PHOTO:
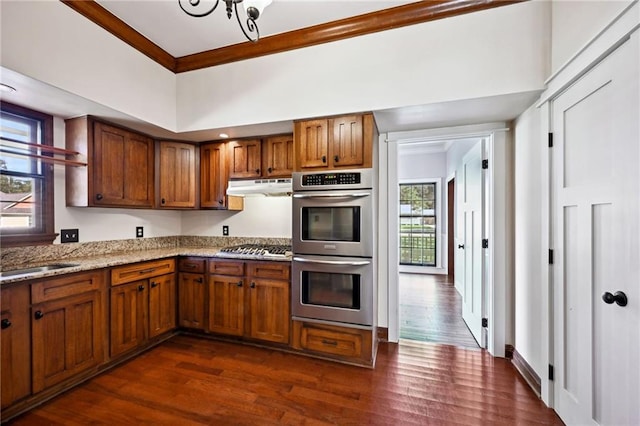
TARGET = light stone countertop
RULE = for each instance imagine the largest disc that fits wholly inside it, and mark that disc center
(116, 259)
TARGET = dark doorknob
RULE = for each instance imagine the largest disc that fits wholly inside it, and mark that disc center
(461, 246)
(619, 297)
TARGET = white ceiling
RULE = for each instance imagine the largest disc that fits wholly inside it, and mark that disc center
(164, 22)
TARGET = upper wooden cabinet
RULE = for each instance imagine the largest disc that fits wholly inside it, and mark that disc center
(120, 166)
(213, 175)
(177, 171)
(244, 158)
(277, 156)
(334, 143)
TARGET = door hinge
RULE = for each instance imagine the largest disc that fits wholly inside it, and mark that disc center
(550, 372)
(550, 257)
(485, 243)
(485, 164)
(485, 322)
(550, 140)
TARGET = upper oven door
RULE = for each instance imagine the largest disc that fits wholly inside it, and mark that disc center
(335, 223)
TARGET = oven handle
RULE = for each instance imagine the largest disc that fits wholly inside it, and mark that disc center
(332, 262)
(334, 195)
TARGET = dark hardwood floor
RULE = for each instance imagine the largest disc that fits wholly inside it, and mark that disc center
(189, 380)
(431, 311)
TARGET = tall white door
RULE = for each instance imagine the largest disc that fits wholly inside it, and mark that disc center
(469, 239)
(596, 215)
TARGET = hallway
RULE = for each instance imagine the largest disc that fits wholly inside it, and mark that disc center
(431, 311)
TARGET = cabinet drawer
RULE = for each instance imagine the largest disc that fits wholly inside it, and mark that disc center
(65, 286)
(226, 267)
(350, 343)
(274, 270)
(141, 271)
(194, 265)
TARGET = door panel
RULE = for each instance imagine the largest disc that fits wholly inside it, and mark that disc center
(596, 206)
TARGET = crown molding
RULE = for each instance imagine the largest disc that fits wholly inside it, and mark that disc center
(396, 17)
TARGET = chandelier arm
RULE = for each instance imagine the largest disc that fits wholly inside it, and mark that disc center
(194, 4)
(252, 27)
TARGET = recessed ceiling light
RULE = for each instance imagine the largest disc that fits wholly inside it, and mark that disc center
(224, 135)
(6, 88)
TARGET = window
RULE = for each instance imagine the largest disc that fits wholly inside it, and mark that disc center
(418, 224)
(26, 181)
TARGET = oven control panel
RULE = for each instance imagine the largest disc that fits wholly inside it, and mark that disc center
(321, 179)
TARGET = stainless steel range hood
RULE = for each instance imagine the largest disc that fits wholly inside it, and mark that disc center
(276, 187)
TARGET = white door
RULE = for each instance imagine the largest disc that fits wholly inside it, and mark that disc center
(469, 242)
(596, 190)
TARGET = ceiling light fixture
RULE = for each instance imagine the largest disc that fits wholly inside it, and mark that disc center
(224, 135)
(253, 9)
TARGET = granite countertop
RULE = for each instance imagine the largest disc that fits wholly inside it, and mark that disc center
(99, 261)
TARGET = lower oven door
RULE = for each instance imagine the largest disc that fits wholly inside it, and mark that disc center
(330, 288)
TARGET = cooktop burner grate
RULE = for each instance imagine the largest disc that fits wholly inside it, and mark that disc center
(252, 251)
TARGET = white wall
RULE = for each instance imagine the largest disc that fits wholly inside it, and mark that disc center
(50, 42)
(457, 150)
(576, 22)
(500, 51)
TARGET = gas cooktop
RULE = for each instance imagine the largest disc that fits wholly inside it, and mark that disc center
(256, 251)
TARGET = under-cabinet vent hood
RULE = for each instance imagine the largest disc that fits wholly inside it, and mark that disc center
(273, 187)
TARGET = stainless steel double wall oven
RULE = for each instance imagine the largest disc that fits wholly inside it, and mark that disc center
(333, 246)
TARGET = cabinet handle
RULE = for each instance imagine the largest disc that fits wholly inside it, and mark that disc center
(253, 285)
(190, 265)
(269, 169)
(336, 158)
(6, 323)
(146, 271)
(162, 201)
(200, 280)
(324, 158)
(98, 196)
(257, 171)
(38, 315)
(154, 284)
(329, 342)
(140, 288)
(221, 202)
(239, 283)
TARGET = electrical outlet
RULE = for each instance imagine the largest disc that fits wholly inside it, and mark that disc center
(139, 232)
(225, 230)
(69, 235)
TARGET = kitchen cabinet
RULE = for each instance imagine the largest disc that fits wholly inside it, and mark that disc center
(277, 156)
(244, 158)
(214, 178)
(120, 166)
(16, 344)
(191, 293)
(250, 299)
(143, 303)
(334, 143)
(66, 328)
(337, 342)
(177, 175)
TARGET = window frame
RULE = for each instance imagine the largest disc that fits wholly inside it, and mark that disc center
(435, 216)
(44, 232)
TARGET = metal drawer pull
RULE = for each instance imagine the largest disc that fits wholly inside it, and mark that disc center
(146, 271)
(199, 280)
(342, 195)
(329, 342)
(332, 262)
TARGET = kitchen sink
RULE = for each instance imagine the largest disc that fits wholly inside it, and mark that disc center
(36, 269)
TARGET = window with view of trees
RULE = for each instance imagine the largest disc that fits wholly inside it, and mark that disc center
(418, 224)
(26, 182)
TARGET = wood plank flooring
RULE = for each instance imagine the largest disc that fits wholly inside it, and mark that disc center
(195, 381)
(431, 311)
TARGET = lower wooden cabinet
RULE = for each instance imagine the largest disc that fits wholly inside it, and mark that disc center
(191, 300)
(162, 304)
(15, 366)
(226, 304)
(342, 343)
(269, 303)
(128, 316)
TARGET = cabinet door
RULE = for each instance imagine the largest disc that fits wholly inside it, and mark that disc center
(213, 176)
(244, 158)
(191, 297)
(269, 304)
(177, 169)
(346, 140)
(129, 304)
(312, 143)
(66, 338)
(278, 156)
(16, 345)
(226, 304)
(162, 304)
(122, 168)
